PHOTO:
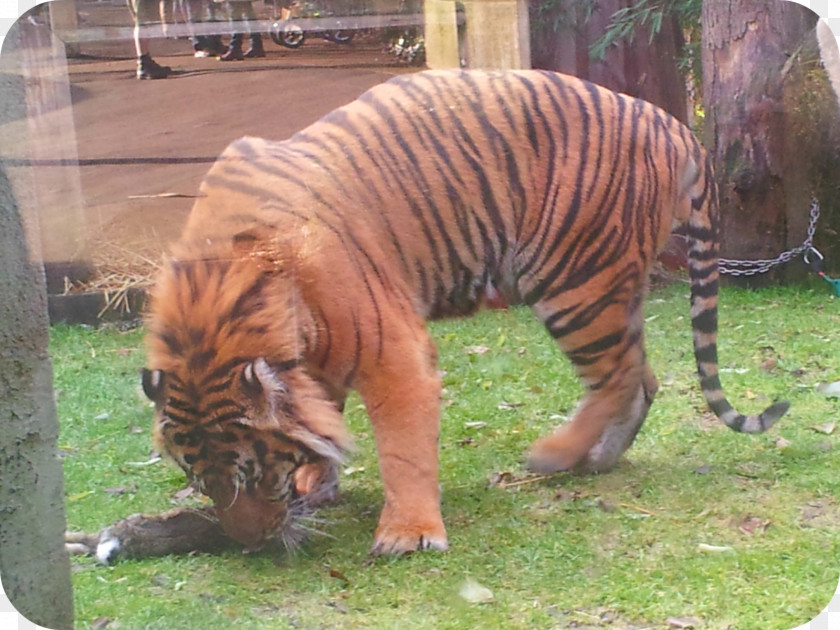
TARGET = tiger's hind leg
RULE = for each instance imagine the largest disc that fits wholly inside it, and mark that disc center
(618, 437)
(605, 344)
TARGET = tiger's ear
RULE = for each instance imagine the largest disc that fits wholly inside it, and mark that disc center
(261, 382)
(323, 431)
(300, 408)
(261, 385)
(153, 384)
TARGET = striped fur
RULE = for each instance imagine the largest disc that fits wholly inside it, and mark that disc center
(309, 266)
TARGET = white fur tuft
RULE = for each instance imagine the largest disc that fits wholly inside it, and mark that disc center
(108, 547)
(267, 377)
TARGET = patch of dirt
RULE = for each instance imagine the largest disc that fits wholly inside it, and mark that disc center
(820, 513)
(144, 146)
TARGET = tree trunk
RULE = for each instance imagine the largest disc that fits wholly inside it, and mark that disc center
(564, 30)
(772, 128)
(33, 562)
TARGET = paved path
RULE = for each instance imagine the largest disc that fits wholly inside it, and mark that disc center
(138, 140)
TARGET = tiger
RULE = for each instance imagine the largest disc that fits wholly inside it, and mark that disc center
(309, 267)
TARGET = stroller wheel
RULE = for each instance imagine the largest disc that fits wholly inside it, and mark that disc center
(288, 35)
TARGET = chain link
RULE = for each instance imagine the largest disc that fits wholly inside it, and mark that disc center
(752, 267)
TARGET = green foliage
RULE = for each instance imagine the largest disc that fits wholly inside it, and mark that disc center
(651, 14)
(697, 522)
(557, 16)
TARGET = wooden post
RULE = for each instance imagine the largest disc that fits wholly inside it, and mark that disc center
(497, 34)
(441, 34)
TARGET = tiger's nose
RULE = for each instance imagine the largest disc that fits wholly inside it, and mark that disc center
(247, 519)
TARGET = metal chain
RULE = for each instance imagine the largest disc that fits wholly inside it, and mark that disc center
(752, 267)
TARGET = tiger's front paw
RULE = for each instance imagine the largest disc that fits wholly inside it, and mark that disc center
(397, 539)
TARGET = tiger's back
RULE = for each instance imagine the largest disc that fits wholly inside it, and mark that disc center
(416, 200)
(460, 179)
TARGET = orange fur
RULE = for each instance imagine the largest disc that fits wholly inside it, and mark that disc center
(308, 267)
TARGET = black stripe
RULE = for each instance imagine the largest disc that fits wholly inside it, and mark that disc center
(591, 352)
(584, 317)
(180, 405)
(446, 168)
(174, 383)
(370, 186)
(223, 370)
(357, 353)
(594, 95)
(248, 301)
(542, 101)
(226, 437)
(285, 366)
(190, 458)
(442, 231)
(706, 354)
(698, 274)
(282, 437)
(705, 321)
(177, 418)
(701, 233)
(200, 358)
(170, 338)
(221, 418)
(570, 215)
(528, 109)
(398, 173)
(260, 450)
(702, 255)
(704, 291)
(284, 456)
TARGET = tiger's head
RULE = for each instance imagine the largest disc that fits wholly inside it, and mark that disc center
(234, 406)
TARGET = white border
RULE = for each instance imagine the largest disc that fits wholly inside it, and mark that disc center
(10, 619)
(828, 619)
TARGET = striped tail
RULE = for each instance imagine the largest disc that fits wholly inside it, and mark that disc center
(702, 231)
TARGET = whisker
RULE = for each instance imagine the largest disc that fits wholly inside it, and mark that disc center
(312, 530)
(313, 519)
(236, 485)
(292, 545)
(205, 514)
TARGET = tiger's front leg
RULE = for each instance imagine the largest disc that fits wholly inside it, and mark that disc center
(403, 400)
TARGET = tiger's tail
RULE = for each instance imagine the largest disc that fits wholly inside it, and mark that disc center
(702, 230)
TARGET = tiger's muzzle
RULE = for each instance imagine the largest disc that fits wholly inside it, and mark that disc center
(251, 517)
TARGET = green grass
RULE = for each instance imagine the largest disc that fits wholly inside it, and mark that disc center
(619, 550)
